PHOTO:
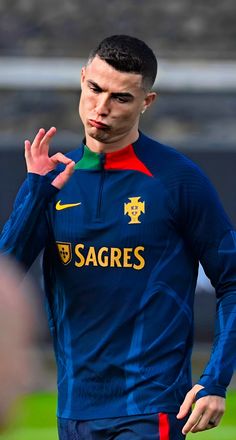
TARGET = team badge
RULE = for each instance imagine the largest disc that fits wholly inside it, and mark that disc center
(65, 253)
(134, 209)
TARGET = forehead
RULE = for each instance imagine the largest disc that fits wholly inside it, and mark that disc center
(110, 79)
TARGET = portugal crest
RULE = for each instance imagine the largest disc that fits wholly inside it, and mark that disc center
(134, 209)
(64, 250)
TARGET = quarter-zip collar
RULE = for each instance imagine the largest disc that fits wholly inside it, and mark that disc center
(123, 159)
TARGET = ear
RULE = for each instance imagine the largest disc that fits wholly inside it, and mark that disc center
(149, 99)
(82, 76)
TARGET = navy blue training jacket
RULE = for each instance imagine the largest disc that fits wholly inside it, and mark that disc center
(122, 241)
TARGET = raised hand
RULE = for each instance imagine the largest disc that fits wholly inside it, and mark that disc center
(39, 162)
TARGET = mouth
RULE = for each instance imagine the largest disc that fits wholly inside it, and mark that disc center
(98, 124)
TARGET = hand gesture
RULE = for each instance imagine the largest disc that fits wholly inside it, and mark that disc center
(206, 414)
(39, 162)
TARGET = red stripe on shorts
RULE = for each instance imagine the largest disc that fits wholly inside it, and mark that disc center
(164, 427)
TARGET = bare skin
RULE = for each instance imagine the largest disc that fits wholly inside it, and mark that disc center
(39, 162)
(207, 409)
(110, 107)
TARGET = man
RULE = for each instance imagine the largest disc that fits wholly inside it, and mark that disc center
(124, 222)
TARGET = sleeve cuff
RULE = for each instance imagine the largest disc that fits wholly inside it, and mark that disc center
(41, 186)
(211, 391)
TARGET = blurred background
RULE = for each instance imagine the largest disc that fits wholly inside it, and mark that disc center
(42, 48)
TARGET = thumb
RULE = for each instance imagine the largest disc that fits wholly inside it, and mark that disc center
(64, 176)
(187, 404)
(188, 401)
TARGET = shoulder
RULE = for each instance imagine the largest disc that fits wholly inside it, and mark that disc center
(165, 162)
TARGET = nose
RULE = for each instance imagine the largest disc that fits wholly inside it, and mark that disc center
(102, 105)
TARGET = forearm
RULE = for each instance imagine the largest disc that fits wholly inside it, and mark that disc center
(209, 400)
(219, 370)
(25, 232)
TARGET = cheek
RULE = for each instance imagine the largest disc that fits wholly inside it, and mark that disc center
(83, 105)
(129, 117)
(87, 103)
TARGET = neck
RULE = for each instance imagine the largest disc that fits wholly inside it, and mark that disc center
(109, 147)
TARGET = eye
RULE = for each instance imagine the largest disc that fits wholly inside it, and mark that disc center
(121, 100)
(94, 88)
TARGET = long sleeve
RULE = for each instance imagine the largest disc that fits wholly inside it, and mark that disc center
(218, 373)
(25, 233)
(212, 238)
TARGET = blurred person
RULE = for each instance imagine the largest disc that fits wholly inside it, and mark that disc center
(124, 222)
(16, 336)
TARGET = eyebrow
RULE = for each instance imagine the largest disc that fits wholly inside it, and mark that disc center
(92, 83)
(123, 95)
(114, 94)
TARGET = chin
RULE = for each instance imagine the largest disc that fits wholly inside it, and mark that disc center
(98, 135)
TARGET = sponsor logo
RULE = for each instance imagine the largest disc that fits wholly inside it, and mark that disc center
(134, 209)
(103, 257)
(60, 206)
(65, 253)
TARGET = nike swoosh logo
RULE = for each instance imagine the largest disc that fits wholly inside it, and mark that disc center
(60, 206)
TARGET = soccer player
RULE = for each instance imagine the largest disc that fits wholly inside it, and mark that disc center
(124, 222)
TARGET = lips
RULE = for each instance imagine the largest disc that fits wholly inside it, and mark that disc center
(98, 124)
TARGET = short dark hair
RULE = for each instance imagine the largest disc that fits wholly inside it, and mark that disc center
(128, 54)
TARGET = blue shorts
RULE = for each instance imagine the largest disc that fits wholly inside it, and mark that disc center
(142, 427)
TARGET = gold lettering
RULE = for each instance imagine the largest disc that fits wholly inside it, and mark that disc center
(115, 257)
(91, 257)
(103, 260)
(139, 258)
(78, 254)
(127, 257)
